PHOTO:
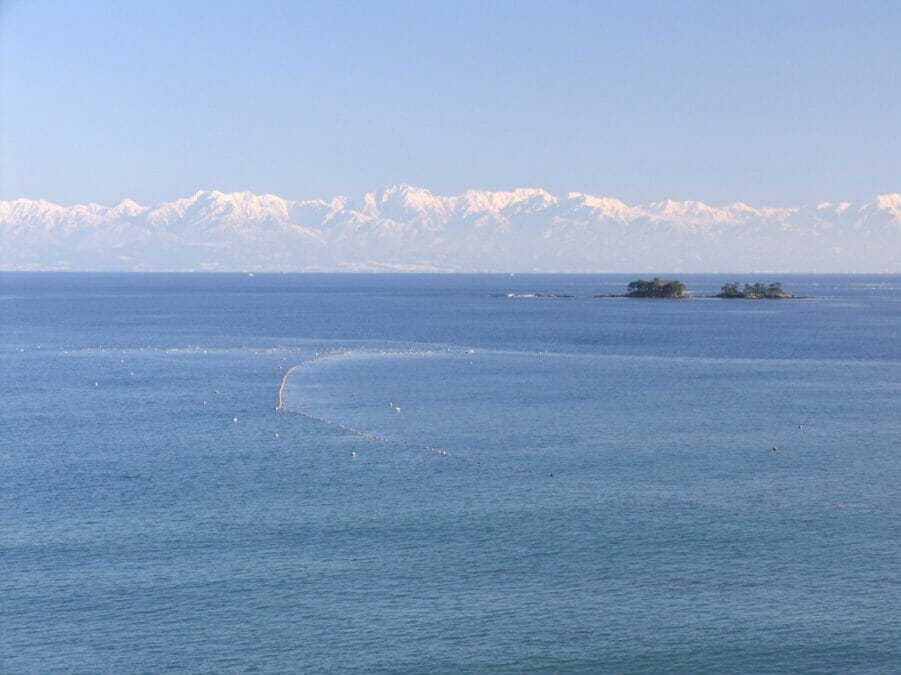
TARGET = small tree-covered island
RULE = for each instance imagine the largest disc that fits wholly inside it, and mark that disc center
(757, 291)
(656, 288)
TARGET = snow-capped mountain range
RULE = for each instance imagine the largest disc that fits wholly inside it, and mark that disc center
(405, 228)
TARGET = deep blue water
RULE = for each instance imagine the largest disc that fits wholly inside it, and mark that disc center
(570, 484)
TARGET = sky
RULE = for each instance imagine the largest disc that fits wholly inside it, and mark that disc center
(775, 103)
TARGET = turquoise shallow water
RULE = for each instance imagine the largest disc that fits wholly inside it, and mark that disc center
(570, 484)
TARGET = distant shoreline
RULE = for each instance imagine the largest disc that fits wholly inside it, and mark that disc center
(402, 273)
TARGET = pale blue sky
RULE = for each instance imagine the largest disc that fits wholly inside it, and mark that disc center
(767, 102)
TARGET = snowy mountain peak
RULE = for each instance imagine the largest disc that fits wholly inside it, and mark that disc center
(497, 201)
(892, 204)
(409, 197)
(128, 207)
(696, 212)
(606, 207)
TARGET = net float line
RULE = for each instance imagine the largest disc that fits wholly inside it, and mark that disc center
(371, 435)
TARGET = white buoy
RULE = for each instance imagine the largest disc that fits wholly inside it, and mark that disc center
(353, 454)
(235, 420)
(277, 436)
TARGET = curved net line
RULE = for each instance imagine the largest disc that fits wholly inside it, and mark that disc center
(370, 435)
(334, 355)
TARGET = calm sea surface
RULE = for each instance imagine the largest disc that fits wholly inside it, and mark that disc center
(456, 480)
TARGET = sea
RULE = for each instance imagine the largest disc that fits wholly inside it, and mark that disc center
(448, 473)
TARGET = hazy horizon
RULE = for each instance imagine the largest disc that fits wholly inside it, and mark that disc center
(406, 228)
